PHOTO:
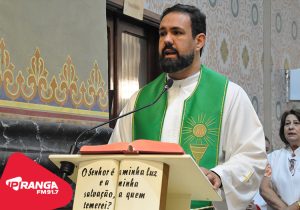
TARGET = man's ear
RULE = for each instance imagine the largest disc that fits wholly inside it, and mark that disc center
(200, 41)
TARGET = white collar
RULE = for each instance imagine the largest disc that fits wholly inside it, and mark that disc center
(187, 81)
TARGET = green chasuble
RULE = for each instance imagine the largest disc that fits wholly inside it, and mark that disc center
(201, 118)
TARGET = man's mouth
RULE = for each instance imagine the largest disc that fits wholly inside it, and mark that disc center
(169, 53)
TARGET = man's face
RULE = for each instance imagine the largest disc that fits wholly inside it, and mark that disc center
(176, 43)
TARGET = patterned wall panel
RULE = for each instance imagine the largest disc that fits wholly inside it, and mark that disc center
(234, 44)
(53, 60)
(285, 29)
(36, 94)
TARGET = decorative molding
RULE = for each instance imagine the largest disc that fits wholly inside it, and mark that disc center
(224, 50)
(255, 104)
(34, 85)
(278, 110)
(212, 3)
(254, 14)
(235, 7)
(294, 30)
(278, 22)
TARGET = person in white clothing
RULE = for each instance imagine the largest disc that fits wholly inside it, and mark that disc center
(281, 186)
(258, 203)
(201, 109)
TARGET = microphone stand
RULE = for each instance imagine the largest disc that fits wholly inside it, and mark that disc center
(67, 168)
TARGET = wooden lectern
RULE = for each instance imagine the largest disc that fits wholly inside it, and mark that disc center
(186, 181)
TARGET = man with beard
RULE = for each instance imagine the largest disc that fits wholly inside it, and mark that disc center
(201, 110)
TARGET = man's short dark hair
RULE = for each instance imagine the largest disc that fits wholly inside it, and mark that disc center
(295, 112)
(198, 19)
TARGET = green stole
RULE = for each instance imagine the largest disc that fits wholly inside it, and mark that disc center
(201, 119)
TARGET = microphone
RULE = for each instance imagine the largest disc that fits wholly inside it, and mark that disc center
(67, 167)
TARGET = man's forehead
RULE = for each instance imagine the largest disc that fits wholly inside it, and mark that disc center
(175, 20)
(171, 28)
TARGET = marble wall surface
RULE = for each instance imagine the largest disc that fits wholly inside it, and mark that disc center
(39, 139)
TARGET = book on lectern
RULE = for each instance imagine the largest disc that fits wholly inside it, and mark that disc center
(140, 146)
(123, 176)
(124, 184)
(121, 184)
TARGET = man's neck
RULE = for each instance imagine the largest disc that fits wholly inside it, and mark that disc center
(186, 72)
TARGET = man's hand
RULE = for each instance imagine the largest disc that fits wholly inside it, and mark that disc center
(213, 178)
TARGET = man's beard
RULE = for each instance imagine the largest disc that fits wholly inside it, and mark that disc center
(171, 65)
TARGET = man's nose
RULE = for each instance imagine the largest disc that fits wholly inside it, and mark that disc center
(168, 38)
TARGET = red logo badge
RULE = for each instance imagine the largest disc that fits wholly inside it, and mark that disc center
(27, 185)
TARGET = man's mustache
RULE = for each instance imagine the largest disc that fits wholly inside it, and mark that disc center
(170, 49)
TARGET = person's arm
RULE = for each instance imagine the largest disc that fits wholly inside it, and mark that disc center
(270, 196)
(123, 129)
(241, 167)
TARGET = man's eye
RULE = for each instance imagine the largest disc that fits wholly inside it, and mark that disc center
(162, 33)
(177, 32)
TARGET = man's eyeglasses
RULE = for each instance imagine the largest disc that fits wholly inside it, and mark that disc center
(292, 166)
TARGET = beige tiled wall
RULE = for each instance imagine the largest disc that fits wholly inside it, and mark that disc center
(235, 46)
